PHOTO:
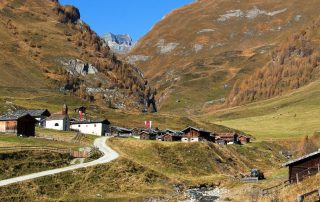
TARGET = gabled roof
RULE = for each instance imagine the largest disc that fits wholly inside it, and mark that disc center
(35, 112)
(120, 129)
(227, 135)
(15, 116)
(57, 117)
(302, 158)
(174, 134)
(196, 129)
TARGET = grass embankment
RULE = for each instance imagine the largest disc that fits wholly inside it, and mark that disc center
(45, 137)
(290, 116)
(13, 164)
(199, 163)
(150, 168)
(120, 180)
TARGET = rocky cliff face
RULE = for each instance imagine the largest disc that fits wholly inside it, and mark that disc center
(120, 43)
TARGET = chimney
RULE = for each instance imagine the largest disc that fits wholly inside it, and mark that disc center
(65, 110)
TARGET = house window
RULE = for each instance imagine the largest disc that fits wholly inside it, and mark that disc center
(56, 124)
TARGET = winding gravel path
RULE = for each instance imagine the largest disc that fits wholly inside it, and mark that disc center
(108, 155)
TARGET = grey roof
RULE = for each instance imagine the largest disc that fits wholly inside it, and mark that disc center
(121, 129)
(57, 117)
(34, 112)
(105, 121)
(301, 158)
(13, 116)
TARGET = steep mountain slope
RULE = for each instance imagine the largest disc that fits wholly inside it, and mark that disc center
(46, 45)
(196, 53)
(293, 65)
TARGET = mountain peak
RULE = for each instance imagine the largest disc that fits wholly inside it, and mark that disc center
(120, 43)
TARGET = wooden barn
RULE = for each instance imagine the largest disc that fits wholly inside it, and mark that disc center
(147, 135)
(120, 132)
(172, 137)
(192, 134)
(39, 114)
(228, 138)
(18, 123)
(244, 139)
(304, 166)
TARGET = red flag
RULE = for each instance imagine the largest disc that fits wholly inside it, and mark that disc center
(80, 113)
(148, 124)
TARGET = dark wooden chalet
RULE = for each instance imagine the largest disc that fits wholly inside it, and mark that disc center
(304, 166)
(244, 139)
(227, 138)
(18, 123)
(39, 114)
(192, 134)
(148, 135)
(172, 137)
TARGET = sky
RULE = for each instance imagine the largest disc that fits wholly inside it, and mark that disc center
(133, 17)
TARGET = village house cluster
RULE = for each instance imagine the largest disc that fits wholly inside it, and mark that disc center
(23, 122)
(189, 134)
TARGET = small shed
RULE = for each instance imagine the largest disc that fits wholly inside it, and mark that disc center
(18, 123)
(120, 131)
(192, 134)
(172, 137)
(304, 166)
(244, 139)
(228, 138)
(58, 122)
(147, 135)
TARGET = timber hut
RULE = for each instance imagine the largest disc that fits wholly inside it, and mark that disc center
(192, 134)
(39, 114)
(304, 166)
(228, 138)
(244, 139)
(148, 135)
(18, 123)
(172, 137)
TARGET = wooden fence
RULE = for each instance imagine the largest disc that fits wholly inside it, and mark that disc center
(275, 188)
(305, 173)
(301, 198)
(33, 148)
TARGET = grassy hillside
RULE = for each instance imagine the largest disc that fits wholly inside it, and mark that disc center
(292, 115)
(196, 53)
(151, 169)
(198, 163)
